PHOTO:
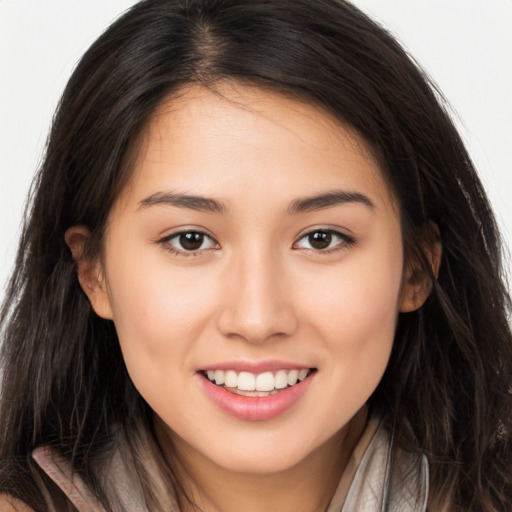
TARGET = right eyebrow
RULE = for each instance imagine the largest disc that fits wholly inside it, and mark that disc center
(329, 199)
(192, 202)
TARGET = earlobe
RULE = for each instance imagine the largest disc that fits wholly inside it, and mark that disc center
(418, 278)
(89, 271)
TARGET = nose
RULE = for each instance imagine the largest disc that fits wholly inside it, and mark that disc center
(258, 303)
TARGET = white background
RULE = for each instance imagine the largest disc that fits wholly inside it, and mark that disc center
(465, 45)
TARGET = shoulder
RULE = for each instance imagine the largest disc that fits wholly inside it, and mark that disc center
(9, 504)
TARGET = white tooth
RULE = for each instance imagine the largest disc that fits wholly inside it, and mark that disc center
(210, 374)
(231, 379)
(219, 377)
(293, 375)
(264, 382)
(281, 379)
(303, 374)
(246, 381)
(238, 391)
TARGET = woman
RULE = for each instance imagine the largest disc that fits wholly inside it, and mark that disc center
(259, 270)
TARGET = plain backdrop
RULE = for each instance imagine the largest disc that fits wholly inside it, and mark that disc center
(465, 45)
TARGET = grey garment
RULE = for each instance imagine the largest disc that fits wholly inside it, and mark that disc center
(386, 480)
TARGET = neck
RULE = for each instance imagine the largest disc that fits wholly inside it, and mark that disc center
(308, 486)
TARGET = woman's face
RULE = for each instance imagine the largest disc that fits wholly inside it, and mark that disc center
(255, 243)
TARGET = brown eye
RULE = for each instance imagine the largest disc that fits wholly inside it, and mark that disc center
(188, 243)
(320, 239)
(324, 241)
(191, 241)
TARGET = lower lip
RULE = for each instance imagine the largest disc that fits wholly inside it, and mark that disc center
(258, 408)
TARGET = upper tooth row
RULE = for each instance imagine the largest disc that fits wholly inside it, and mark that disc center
(266, 381)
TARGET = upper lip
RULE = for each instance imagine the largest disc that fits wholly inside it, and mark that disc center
(255, 367)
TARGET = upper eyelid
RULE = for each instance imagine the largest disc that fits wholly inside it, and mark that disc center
(165, 242)
(181, 231)
(345, 233)
(347, 240)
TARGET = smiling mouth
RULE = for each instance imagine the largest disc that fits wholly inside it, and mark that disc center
(257, 385)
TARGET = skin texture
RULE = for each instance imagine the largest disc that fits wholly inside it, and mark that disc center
(9, 504)
(256, 290)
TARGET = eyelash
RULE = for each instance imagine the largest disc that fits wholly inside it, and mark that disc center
(167, 240)
(345, 241)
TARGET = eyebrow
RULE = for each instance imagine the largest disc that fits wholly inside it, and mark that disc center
(328, 200)
(202, 204)
(301, 205)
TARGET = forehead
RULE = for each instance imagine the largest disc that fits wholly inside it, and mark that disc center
(239, 138)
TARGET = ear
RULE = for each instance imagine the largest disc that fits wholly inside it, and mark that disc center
(89, 270)
(417, 283)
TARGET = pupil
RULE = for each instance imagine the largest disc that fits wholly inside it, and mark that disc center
(320, 239)
(191, 241)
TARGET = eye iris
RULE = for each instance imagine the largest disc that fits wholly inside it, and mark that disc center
(191, 241)
(320, 239)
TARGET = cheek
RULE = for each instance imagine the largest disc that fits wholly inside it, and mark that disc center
(160, 311)
(156, 314)
(353, 312)
(362, 294)
(153, 301)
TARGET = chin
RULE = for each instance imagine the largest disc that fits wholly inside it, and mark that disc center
(264, 455)
(260, 463)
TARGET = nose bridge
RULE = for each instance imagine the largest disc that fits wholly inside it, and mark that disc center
(258, 306)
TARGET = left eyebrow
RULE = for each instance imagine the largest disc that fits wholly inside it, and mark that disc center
(328, 200)
(198, 203)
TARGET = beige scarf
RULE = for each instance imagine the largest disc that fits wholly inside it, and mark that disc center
(378, 478)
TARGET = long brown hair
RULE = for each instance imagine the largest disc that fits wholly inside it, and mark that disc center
(447, 386)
